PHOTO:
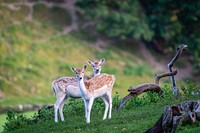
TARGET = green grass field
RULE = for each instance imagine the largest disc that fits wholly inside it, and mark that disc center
(134, 120)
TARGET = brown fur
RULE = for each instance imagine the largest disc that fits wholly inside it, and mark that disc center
(99, 81)
(64, 82)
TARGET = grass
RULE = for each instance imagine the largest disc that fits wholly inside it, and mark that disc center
(138, 115)
(2, 121)
(32, 55)
(136, 119)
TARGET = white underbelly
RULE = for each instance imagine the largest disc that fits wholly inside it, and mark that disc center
(73, 91)
(101, 91)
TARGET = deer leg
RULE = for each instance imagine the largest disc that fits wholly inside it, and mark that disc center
(85, 104)
(56, 111)
(61, 108)
(110, 105)
(56, 106)
(106, 107)
(89, 107)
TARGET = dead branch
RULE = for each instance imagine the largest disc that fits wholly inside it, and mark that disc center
(159, 76)
(153, 87)
(171, 63)
(135, 91)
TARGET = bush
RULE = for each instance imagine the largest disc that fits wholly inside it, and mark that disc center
(15, 121)
(191, 88)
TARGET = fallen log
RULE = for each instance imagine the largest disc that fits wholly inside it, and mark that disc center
(153, 87)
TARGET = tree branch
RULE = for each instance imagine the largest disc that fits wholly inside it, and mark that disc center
(135, 91)
(159, 76)
(171, 63)
(154, 87)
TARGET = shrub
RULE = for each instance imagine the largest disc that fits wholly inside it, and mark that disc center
(190, 88)
(15, 121)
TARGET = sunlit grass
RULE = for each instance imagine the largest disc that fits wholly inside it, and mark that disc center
(2, 121)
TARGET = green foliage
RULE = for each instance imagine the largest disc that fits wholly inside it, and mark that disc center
(178, 25)
(191, 88)
(117, 18)
(116, 100)
(44, 114)
(15, 121)
(168, 23)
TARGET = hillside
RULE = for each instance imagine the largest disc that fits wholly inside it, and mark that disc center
(40, 41)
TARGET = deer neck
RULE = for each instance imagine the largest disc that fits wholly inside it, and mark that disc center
(82, 87)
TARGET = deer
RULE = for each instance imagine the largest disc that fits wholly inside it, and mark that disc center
(66, 87)
(98, 86)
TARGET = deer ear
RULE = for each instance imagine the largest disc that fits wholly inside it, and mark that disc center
(84, 67)
(102, 61)
(73, 69)
(90, 62)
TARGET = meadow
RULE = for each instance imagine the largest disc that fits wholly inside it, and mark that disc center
(137, 116)
(34, 53)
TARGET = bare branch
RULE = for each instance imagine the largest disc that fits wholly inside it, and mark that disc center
(135, 91)
(159, 76)
(171, 63)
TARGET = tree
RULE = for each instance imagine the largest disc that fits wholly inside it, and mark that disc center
(164, 24)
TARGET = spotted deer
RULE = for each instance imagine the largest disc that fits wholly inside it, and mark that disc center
(66, 87)
(96, 66)
(98, 86)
